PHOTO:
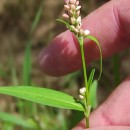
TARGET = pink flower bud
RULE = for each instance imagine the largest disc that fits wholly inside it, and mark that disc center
(77, 3)
(72, 1)
(66, 1)
(65, 16)
(66, 7)
(72, 7)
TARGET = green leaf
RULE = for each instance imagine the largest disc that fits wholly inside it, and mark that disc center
(44, 96)
(62, 21)
(90, 80)
(93, 94)
(27, 65)
(37, 18)
(15, 120)
(98, 44)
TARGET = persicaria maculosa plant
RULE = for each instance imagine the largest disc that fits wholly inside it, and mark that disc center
(51, 97)
(74, 24)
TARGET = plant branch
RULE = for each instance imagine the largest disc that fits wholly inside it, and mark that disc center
(87, 113)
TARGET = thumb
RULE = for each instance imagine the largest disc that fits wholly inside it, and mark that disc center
(115, 111)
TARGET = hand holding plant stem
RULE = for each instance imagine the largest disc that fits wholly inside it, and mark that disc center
(113, 39)
(112, 110)
(72, 14)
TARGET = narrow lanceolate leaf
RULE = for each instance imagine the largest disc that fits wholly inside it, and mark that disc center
(37, 18)
(90, 80)
(98, 44)
(64, 22)
(27, 65)
(44, 96)
(93, 94)
(15, 120)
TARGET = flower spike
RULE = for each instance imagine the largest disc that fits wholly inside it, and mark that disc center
(72, 13)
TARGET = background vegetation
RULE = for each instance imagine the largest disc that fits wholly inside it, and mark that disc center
(25, 28)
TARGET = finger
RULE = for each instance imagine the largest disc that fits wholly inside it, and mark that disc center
(110, 24)
(107, 128)
(115, 111)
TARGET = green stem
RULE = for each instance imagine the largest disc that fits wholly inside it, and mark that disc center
(85, 80)
(87, 122)
(83, 62)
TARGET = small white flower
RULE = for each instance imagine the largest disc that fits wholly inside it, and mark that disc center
(86, 32)
(81, 97)
(78, 8)
(78, 20)
(76, 30)
(82, 91)
(72, 28)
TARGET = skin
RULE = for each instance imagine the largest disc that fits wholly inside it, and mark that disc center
(111, 25)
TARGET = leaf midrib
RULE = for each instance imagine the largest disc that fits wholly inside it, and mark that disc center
(36, 95)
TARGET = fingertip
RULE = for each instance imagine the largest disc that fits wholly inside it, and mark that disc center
(61, 56)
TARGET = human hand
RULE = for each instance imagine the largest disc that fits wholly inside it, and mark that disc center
(110, 24)
(114, 113)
